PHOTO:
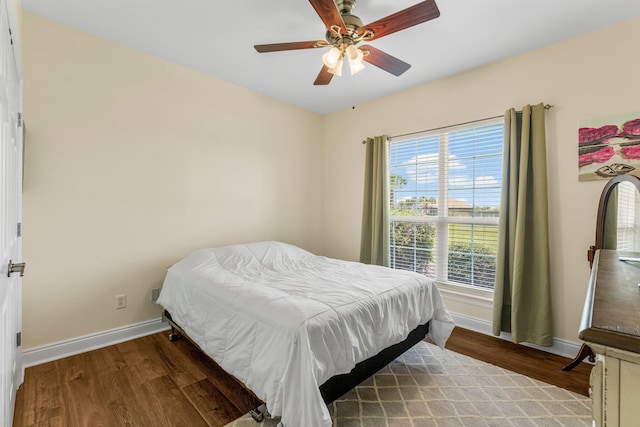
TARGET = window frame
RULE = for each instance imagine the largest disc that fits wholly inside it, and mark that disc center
(443, 220)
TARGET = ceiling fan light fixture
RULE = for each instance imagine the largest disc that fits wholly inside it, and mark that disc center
(356, 67)
(332, 57)
(337, 70)
(354, 54)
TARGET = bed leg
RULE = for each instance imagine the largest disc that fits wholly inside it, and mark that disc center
(173, 336)
(259, 413)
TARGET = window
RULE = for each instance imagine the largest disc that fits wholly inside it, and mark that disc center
(445, 202)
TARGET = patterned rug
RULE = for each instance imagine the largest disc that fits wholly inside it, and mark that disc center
(428, 386)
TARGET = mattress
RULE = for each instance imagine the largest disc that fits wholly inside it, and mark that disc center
(283, 320)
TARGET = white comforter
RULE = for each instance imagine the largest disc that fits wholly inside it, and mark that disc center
(283, 320)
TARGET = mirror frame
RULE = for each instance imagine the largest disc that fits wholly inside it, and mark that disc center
(602, 207)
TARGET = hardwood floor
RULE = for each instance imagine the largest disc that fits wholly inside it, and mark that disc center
(527, 361)
(151, 381)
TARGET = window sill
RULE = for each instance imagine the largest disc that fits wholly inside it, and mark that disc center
(466, 294)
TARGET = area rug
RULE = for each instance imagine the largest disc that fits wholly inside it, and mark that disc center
(428, 386)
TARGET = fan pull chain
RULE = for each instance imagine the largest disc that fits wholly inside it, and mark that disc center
(353, 92)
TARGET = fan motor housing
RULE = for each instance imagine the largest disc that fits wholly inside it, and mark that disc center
(345, 6)
(352, 23)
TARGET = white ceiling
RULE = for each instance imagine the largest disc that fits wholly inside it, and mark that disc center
(216, 38)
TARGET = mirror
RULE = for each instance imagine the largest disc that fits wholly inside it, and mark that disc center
(617, 227)
(618, 224)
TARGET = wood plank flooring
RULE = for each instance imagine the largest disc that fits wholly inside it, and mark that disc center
(151, 381)
(524, 360)
(148, 381)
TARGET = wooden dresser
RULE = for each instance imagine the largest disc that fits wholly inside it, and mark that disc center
(611, 327)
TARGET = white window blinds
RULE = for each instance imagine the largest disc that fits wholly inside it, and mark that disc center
(445, 202)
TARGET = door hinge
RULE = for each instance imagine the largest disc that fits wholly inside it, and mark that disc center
(19, 120)
(19, 339)
(19, 229)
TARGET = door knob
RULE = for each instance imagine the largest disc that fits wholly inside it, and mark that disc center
(18, 267)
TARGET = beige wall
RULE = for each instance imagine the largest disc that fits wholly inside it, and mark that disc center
(591, 76)
(132, 162)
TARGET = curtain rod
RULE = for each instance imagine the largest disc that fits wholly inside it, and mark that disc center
(546, 107)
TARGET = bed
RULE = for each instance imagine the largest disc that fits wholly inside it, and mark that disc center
(286, 322)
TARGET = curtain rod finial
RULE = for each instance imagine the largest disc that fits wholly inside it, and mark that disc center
(548, 106)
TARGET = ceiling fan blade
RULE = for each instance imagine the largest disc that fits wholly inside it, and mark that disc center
(383, 60)
(324, 77)
(414, 15)
(329, 13)
(276, 47)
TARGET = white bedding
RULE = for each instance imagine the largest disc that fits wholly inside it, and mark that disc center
(283, 320)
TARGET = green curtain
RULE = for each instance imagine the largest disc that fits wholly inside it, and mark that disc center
(374, 240)
(522, 296)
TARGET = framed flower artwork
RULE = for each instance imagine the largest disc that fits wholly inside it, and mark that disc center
(609, 146)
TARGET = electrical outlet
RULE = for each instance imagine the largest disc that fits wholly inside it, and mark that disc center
(155, 293)
(121, 301)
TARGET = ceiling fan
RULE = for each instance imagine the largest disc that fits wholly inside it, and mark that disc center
(345, 31)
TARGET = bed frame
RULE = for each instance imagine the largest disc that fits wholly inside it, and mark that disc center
(338, 385)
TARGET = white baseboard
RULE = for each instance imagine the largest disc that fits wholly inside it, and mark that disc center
(560, 347)
(58, 350)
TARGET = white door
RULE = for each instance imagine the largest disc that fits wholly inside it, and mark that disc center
(10, 220)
